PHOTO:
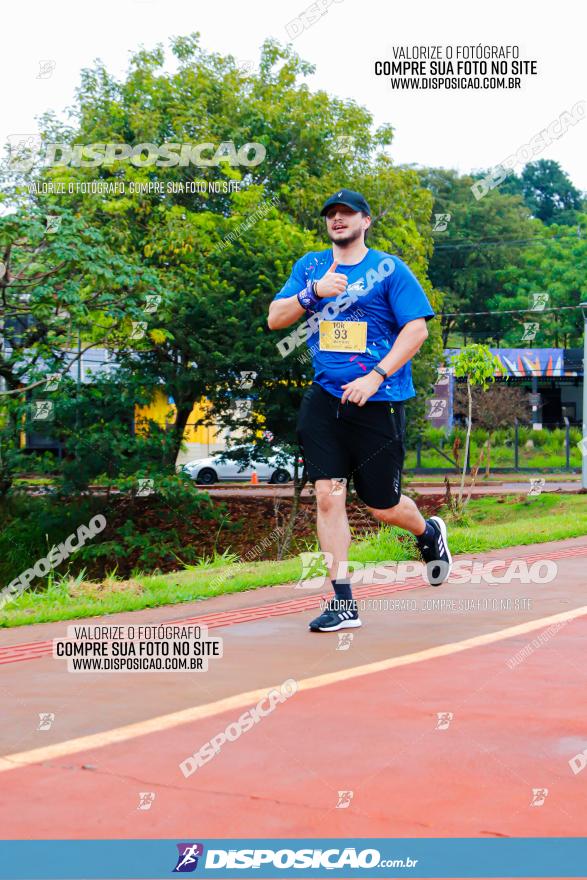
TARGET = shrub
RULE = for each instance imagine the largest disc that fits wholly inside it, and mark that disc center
(155, 532)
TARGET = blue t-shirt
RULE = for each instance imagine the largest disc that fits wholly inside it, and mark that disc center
(381, 291)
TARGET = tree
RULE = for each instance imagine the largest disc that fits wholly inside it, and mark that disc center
(59, 291)
(475, 243)
(225, 255)
(554, 266)
(547, 191)
(220, 255)
(497, 406)
(478, 366)
(210, 326)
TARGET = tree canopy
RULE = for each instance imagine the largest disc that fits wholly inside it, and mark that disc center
(214, 258)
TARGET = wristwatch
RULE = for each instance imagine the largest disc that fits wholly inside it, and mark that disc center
(381, 371)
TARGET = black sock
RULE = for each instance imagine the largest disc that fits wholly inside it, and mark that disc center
(428, 534)
(342, 589)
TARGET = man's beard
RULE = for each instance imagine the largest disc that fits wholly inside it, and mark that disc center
(348, 239)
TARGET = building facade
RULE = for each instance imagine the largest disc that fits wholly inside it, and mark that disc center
(552, 378)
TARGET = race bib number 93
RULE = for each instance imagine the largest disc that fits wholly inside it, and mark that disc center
(343, 336)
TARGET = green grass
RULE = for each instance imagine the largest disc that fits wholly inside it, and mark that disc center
(524, 479)
(493, 523)
(501, 457)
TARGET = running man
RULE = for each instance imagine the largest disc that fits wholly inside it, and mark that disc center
(366, 318)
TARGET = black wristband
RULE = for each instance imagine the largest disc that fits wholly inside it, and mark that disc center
(381, 371)
(308, 298)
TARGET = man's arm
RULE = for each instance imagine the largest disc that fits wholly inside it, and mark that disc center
(283, 312)
(287, 310)
(409, 341)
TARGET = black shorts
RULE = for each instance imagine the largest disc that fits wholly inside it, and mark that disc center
(362, 443)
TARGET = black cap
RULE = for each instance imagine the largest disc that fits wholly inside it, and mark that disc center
(349, 198)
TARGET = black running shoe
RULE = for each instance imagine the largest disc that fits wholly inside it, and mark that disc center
(436, 554)
(338, 614)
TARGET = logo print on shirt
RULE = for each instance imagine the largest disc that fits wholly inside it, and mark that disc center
(359, 362)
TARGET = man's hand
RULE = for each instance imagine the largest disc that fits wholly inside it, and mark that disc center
(360, 390)
(332, 284)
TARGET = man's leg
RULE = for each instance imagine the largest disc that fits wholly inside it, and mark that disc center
(322, 437)
(430, 535)
(404, 514)
(379, 452)
(332, 523)
(335, 538)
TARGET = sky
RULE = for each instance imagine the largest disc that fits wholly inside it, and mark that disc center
(463, 129)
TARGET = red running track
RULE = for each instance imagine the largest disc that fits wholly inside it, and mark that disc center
(374, 732)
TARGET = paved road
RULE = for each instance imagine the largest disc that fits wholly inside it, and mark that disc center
(505, 488)
(506, 672)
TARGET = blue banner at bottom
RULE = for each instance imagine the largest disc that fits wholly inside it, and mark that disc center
(269, 858)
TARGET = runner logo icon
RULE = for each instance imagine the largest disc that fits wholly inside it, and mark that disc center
(187, 860)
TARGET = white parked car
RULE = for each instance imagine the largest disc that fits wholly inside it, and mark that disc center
(212, 470)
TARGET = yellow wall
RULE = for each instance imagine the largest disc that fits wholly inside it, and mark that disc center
(162, 412)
